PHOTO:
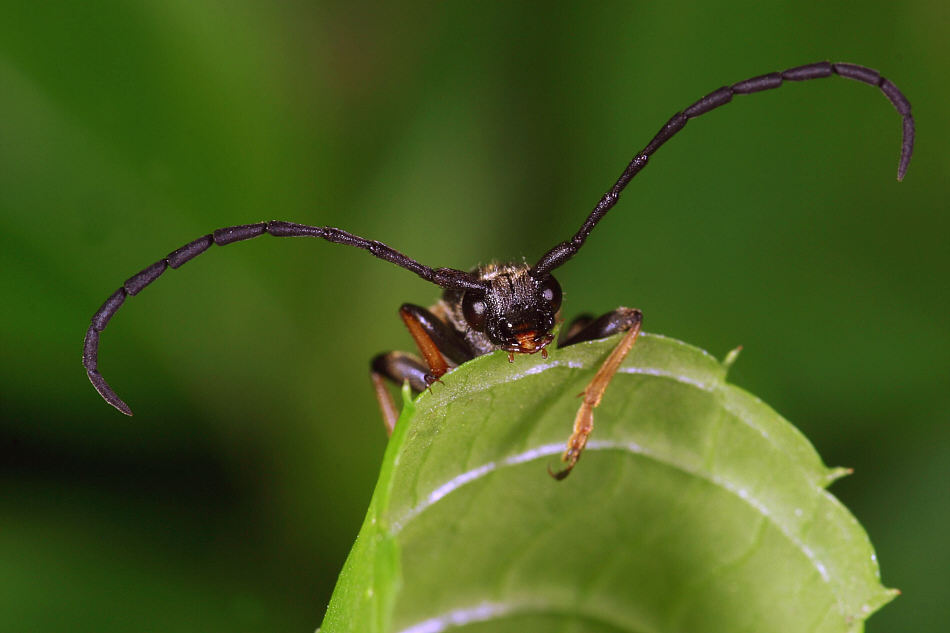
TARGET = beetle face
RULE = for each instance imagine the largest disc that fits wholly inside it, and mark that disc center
(517, 312)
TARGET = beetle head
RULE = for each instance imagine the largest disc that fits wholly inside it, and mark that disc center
(516, 311)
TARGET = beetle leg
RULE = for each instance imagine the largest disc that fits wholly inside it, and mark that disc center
(620, 320)
(574, 327)
(586, 328)
(441, 349)
(398, 367)
(440, 346)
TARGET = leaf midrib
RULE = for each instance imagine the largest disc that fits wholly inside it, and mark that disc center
(457, 618)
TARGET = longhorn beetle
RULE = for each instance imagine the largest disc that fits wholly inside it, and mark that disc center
(510, 307)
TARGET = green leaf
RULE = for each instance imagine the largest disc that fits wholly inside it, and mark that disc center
(695, 507)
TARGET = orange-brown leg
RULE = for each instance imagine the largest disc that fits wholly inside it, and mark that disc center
(441, 349)
(622, 319)
(437, 342)
(387, 406)
(430, 353)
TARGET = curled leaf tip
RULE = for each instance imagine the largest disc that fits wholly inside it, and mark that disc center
(731, 357)
(835, 474)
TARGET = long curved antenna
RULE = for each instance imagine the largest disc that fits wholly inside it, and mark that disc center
(444, 277)
(565, 250)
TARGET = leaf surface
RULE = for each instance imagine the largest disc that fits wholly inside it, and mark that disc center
(695, 507)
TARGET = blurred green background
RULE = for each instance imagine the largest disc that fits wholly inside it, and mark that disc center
(457, 132)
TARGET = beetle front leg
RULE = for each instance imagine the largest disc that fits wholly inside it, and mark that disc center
(573, 328)
(620, 320)
(439, 345)
(586, 328)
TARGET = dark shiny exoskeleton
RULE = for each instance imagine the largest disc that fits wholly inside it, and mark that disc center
(509, 307)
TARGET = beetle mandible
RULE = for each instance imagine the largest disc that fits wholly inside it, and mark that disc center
(510, 307)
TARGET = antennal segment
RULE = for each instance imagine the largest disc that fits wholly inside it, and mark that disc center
(565, 250)
(444, 277)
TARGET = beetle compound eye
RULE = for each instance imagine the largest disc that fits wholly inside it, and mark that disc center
(551, 292)
(474, 309)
